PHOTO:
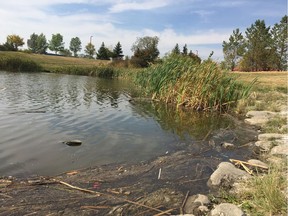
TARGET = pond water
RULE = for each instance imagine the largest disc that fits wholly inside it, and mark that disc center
(40, 111)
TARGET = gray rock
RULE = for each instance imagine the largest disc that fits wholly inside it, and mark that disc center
(264, 145)
(226, 174)
(258, 162)
(226, 209)
(271, 136)
(193, 202)
(280, 150)
(259, 118)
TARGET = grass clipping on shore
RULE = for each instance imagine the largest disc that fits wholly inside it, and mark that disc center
(182, 81)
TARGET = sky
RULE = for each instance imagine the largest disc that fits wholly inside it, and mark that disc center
(201, 24)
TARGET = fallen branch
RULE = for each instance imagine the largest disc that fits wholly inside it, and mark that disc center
(165, 212)
(247, 163)
(109, 195)
(183, 203)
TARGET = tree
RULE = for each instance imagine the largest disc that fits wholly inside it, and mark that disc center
(176, 50)
(65, 52)
(195, 57)
(117, 51)
(280, 42)
(260, 55)
(14, 41)
(56, 44)
(37, 43)
(103, 52)
(90, 50)
(145, 51)
(75, 45)
(234, 49)
(185, 50)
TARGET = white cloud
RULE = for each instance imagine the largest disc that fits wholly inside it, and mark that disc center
(140, 5)
(102, 27)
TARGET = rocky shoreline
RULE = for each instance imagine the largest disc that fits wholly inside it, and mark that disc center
(164, 186)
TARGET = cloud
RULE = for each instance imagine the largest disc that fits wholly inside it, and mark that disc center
(134, 5)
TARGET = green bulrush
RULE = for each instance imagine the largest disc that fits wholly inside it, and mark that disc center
(182, 81)
(101, 71)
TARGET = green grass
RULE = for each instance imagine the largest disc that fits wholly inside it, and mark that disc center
(262, 194)
(184, 82)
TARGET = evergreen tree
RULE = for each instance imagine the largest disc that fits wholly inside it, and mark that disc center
(103, 52)
(185, 50)
(195, 57)
(280, 42)
(260, 54)
(234, 49)
(117, 51)
(176, 49)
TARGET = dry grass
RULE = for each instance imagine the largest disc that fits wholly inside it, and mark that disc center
(272, 79)
(48, 61)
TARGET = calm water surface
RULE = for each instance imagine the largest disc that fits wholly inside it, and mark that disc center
(39, 111)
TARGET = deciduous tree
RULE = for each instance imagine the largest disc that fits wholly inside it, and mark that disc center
(56, 43)
(90, 50)
(37, 43)
(145, 51)
(75, 45)
(15, 41)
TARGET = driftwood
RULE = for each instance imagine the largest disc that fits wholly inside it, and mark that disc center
(184, 202)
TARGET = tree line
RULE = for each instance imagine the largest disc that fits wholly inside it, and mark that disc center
(263, 48)
(39, 44)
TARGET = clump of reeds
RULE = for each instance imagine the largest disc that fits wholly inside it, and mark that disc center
(182, 81)
(97, 71)
(16, 64)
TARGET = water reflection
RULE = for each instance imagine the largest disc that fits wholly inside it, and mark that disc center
(39, 111)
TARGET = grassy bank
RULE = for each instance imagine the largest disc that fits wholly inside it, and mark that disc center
(24, 62)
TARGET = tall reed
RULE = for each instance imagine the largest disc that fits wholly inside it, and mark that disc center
(16, 64)
(184, 82)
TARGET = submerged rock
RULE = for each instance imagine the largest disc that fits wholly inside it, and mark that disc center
(225, 175)
(73, 142)
(226, 209)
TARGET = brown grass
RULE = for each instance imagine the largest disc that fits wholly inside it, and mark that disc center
(271, 79)
(48, 61)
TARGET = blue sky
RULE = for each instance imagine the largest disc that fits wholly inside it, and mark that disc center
(201, 24)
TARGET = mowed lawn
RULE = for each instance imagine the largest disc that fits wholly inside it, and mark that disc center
(272, 79)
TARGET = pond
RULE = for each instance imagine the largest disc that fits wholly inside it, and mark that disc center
(38, 111)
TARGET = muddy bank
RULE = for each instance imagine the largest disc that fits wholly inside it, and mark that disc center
(148, 188)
